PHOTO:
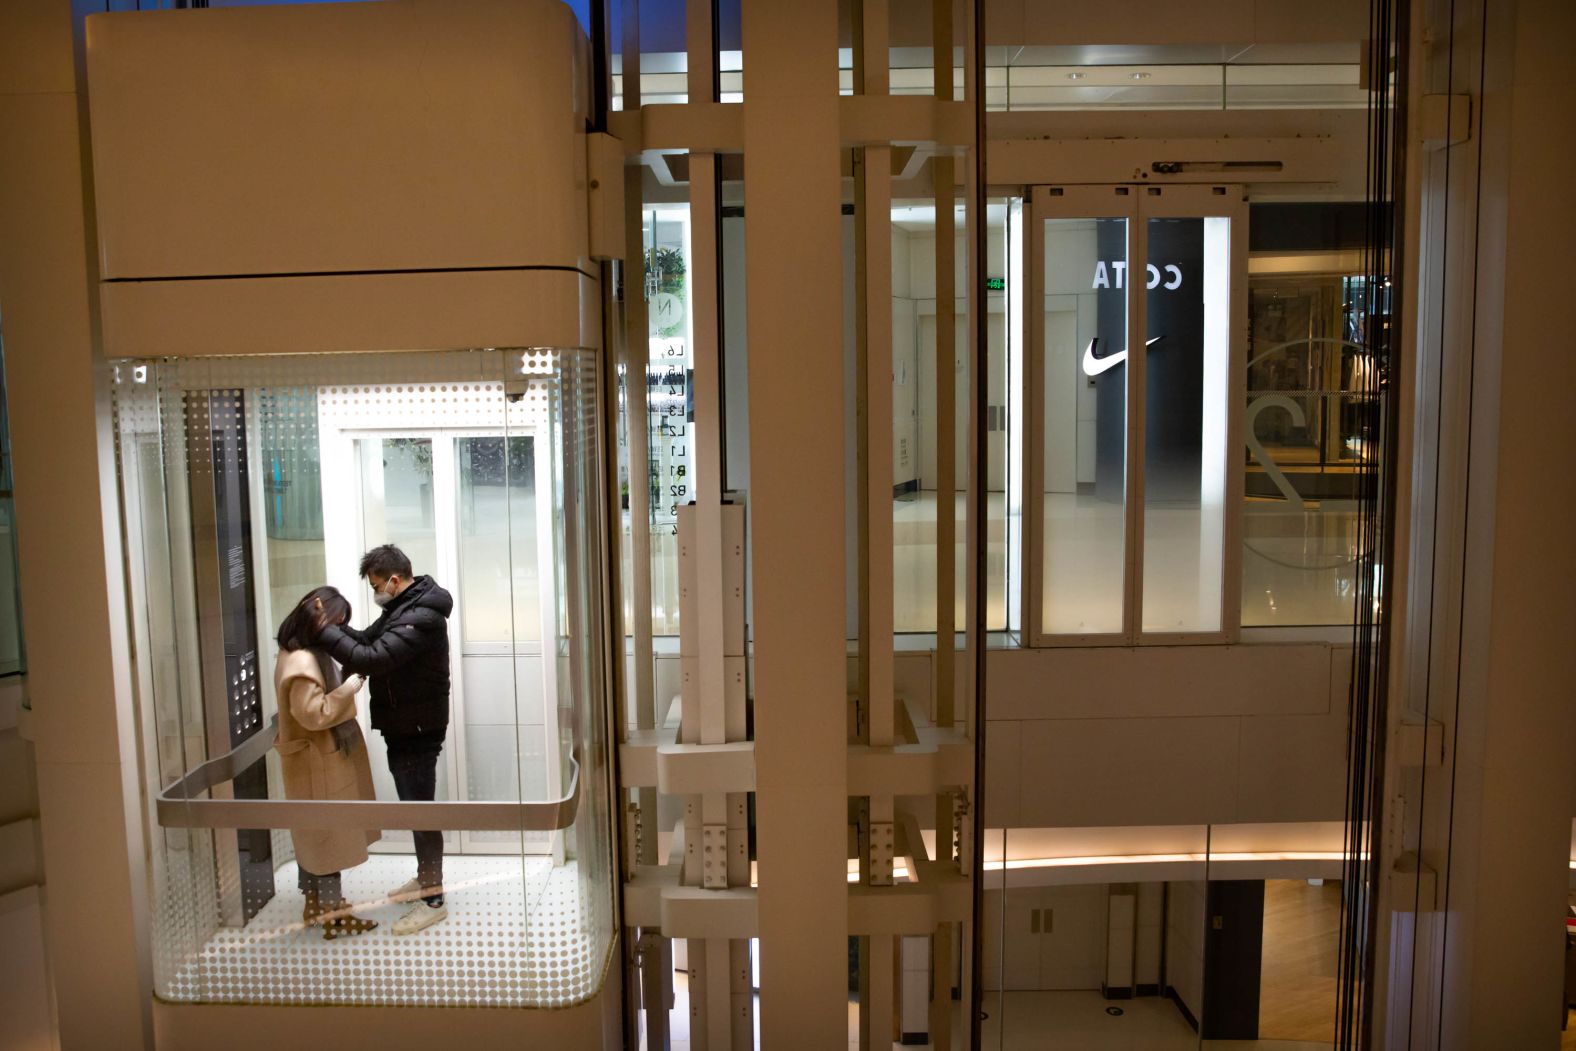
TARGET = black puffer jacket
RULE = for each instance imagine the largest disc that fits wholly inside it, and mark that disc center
(405, 654)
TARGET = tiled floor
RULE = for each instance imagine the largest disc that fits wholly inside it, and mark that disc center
(1081, 1020)
(516, 935)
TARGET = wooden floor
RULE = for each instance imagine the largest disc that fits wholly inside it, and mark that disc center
(1302, 927)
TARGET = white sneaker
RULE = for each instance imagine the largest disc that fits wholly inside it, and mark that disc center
(407, 891)
(419, 917)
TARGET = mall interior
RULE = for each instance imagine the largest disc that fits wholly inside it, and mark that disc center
(1080, 566)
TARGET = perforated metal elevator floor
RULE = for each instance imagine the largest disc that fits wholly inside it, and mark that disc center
(515, 936)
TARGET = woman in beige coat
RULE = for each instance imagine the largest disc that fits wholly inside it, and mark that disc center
(322, 756)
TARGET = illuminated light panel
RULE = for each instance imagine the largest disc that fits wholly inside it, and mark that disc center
(1163, 859)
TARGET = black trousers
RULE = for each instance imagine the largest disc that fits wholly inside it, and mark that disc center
(413, 762)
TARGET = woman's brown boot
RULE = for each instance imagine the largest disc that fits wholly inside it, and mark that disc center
(346, 926)
(312, 911)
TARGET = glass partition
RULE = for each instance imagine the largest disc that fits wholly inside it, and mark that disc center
(1021, 76)
(1307, 385)
(1085, 312)
(246, 483)
(1187, 364)
(916, 415)
(11, 653)
(669, 402)
(1162, 936)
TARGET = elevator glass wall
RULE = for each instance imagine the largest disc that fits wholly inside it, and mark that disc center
(247, 482)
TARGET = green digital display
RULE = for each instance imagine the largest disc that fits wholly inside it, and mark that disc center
(995, 284)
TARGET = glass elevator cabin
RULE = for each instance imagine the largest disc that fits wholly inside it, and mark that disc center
(372, 320)
(247, 482)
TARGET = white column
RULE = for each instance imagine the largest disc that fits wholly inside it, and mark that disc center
(68, 531)
(794, 295)
(944, 170)
(1515, 723)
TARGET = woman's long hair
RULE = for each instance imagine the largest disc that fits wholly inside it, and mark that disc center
(304, 623)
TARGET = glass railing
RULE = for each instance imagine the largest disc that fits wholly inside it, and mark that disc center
(1025, 84)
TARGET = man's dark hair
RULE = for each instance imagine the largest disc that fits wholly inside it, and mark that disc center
(303, 624)
(386, 561)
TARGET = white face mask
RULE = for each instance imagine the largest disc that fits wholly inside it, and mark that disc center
(382, 598)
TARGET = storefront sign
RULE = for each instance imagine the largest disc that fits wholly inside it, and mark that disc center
(1093, 366)
(1105, 272)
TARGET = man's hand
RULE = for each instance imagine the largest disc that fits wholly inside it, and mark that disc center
(322, 619)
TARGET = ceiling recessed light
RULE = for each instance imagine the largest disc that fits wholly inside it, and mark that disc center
(1075, 76)
(1139, 76)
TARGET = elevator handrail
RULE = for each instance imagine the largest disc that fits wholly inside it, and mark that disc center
(182, 804)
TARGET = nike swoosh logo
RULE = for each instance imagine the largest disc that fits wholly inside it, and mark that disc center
(1093, 366)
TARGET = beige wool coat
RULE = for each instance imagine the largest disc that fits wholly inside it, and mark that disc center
(312, 700)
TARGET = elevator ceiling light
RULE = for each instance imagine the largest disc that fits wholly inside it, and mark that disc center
(1139, 76)
(1075, 76)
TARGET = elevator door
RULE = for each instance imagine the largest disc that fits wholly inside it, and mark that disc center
(463, 506)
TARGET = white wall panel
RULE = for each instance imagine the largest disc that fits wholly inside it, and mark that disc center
(349, 312)
(1072, 952)
(1004, 773)
(1293, 768)
(26, 1014)
(413, 134)
(1128, 771)
(1258, 679)
(1185, 944)
(1151, 898)
(1049, 938)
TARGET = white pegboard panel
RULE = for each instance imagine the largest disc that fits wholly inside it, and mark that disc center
(321, 370)
(882, 845)
(516, 936)
(714, 857)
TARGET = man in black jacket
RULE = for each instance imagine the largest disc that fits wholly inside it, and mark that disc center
(405, 654)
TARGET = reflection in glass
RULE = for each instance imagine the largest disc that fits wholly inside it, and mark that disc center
(1085, 440)
(498, 540)
(396, 498)
(500, 617)
(1304, 436)
(1187, 365)
(397, 508)
(1080, 920)
(292, 493)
